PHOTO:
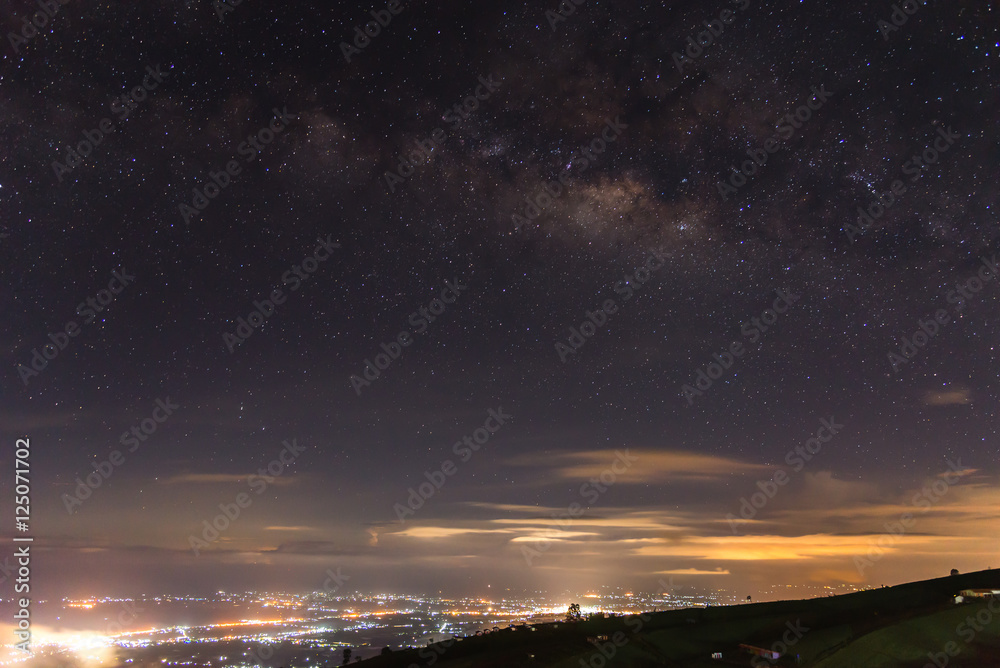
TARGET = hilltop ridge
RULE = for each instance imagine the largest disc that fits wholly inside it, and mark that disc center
(913, 624)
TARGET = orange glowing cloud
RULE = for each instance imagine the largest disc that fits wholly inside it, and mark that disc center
(650, 465)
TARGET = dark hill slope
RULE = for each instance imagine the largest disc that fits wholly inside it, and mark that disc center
(891, 626)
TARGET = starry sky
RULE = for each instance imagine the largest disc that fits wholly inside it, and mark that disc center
(575, 213)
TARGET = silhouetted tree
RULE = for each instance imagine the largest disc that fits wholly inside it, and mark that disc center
(347, 656)
(574, 614)
(386, 650)
(954, 571)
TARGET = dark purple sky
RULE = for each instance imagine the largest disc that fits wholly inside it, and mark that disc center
(607, 352)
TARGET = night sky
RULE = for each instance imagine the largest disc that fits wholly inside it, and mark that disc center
(575, 214)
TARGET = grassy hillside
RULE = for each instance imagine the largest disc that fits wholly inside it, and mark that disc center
(891, 626)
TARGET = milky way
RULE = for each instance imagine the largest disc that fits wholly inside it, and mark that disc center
(625, 193)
